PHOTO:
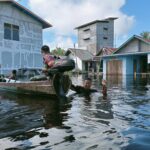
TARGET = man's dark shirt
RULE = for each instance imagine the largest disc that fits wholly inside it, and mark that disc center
(82, 90)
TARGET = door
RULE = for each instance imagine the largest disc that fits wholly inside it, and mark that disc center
(114, 67)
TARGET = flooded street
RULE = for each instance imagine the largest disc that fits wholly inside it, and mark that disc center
(120, 122)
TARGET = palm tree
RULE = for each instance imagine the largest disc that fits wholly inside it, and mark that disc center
(145, 35)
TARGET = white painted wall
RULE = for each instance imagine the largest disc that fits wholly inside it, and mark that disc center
(26, 51)
(77, 60)
(79, 64)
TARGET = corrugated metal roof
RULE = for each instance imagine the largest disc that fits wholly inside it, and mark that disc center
(105, 51)
(44, 23)
(82, 54)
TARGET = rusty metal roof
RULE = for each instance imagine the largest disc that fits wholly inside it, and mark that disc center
(106, 51)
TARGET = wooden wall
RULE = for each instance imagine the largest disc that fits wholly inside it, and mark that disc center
(114, 67)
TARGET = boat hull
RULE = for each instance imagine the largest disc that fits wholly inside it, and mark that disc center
(58, 86)
(31, 87)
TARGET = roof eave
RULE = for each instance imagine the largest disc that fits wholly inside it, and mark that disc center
(130, 39)
(44, 23)
(97, 21)
(90, 23)
(125, 54)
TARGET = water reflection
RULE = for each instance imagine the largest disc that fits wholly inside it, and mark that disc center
(114, 80)
(19, 114)
(129, 81)
(100, 109)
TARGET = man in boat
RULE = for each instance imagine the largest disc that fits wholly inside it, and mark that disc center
(13, 75)
(2, 78)
(54, 68)
(85, 89)
(48, 59)
(54, 64)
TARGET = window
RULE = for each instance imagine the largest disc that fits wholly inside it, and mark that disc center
(15, 32)
(88, 29)
(7, 31)
(11, 32)
(105, 28)
(86, 39)
(105, 37)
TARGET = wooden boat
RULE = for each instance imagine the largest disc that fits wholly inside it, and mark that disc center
(57, 86)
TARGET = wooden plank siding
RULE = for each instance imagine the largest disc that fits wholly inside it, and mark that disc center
(114, 67)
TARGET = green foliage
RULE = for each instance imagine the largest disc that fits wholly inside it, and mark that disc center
(145, 35)
(58, 52)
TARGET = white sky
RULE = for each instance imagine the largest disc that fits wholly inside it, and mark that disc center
(65, 15)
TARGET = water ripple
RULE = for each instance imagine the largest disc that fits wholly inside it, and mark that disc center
(119, 122)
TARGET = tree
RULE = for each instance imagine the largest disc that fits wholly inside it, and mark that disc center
(145, 35)
(58, 51)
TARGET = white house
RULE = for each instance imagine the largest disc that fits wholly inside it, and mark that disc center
(82, 58)
(20, 37)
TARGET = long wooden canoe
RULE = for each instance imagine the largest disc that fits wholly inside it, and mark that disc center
(44, 87)
(47, 87)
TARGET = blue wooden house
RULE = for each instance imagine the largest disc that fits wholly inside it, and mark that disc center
(132, 57)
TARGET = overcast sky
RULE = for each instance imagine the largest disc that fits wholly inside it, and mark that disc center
(65, 15)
